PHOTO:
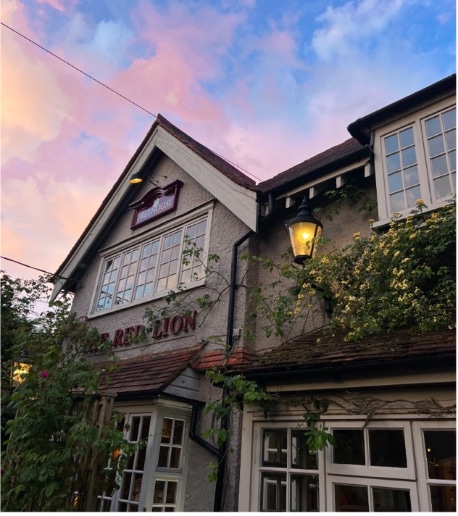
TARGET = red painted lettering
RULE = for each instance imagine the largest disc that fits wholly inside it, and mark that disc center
(127, 332)
(118, 338)
(176, 324)
(190, 320)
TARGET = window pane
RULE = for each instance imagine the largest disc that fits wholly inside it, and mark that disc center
(274, 448)
(452, 161)
(163, 460)
(171, 492)
(433, 126)
(442, 187)
(450, 140)
(412, 196)
(408, 157)
(304, 493)
(393, 163)
(391, 144)
(391, 500)
(436, 145)
(301, 457)
(175, 458)
(167, 424)
(387, 448)
(395, 182)
(449, 119)
(411, 176)
(273, 492)
(351, 498)
(178, 432)
(441, 454)
(349, 447)
(159, 491)
(406, 138)
(443, 498)
(439, 166)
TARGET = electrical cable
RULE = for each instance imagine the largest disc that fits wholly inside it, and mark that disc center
(110, 89)
(35, 268)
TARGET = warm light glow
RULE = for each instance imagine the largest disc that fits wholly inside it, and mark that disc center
(303, 235)
(135, 180)
(19, 370)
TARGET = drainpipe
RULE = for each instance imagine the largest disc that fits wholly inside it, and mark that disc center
(193, 433)
(217, 507)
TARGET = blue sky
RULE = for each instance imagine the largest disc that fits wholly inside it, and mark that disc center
(264, 83)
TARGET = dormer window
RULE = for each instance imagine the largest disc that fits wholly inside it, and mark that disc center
(418, 161)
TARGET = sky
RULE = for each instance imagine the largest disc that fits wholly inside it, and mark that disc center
(266, 84)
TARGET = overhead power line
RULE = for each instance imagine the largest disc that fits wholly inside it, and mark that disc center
(107, 87)
(79, 70)
(30, 267)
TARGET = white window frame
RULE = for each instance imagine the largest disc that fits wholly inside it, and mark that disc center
(367, 470)
(416, 121)
(258, 469)
(369, 482)
(151, 473)
(165, 229)
(413, 478)
(417, 429)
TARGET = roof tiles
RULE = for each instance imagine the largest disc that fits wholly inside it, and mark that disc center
(305, 352)
(148, 373)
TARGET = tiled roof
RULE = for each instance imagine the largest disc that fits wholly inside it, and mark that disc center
(305, 353)
(209, 156)
(147, 374)
(347, 151)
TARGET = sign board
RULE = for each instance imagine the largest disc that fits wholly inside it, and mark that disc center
(155, 203)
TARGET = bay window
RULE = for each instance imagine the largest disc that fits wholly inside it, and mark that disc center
(154, 477)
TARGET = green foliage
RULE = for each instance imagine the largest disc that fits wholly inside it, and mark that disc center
(237, 391)
(404, 276)
(54, 438)
(317, 433)
(398, 278)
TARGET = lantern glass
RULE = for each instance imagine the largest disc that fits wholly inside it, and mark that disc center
(303, 236)
(135, 179)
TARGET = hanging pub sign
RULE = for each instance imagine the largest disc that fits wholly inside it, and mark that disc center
(155, 203)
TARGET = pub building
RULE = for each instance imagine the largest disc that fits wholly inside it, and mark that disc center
(389, 399)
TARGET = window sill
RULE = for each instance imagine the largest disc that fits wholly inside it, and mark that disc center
(384, 223)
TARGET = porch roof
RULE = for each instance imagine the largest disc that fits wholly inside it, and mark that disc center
(147, 373)
(317, 350)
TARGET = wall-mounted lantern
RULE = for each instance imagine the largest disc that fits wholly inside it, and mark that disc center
(304, 232)
(135, 179)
